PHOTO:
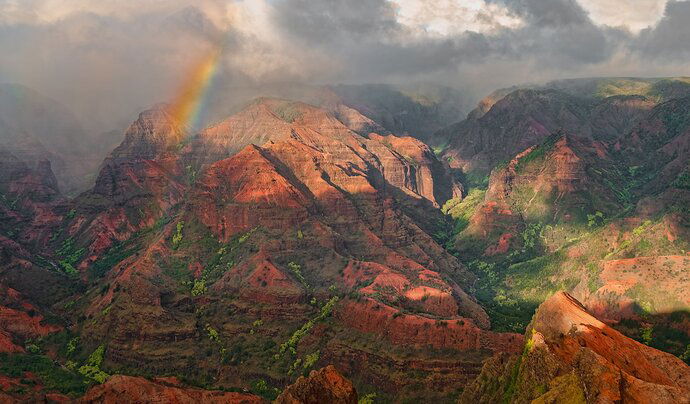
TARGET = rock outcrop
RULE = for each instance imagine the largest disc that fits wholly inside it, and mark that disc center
(570, 356)
(325, 385)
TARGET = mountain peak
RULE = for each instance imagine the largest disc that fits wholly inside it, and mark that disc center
(286, 110)
(268, 119)
(153, 132)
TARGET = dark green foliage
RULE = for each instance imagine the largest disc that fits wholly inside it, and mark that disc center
(124, 249)
(675, 120)
(224, 258)
(685, 356)
(115, 255)
(512, 382)
(682, 181)
(51, 374)
(659, 332)
(531, 236)
(473, 180)
(596, 219)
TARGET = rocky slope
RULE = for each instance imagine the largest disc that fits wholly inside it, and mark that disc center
(194, 254)
(404, 162)
(563, 180)
(570, 356)
(511, 120)
(120, 389)
(321, 386)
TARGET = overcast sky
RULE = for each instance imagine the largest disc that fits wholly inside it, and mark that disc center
(106, 59)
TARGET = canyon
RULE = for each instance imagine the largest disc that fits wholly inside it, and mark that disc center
(535, 250)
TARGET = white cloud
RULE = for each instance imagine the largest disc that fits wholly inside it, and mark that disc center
(635, 15)
(451, 17)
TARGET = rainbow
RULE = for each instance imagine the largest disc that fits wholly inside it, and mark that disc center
(193, 93)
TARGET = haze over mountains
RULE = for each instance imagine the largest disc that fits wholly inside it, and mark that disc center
(218, 203)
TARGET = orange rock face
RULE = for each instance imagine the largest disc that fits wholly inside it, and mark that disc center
(119, 389)
(321, 386)
(407, 329)
(638, 373)
(565, 342)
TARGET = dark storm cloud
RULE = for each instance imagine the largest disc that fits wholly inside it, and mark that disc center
(548, 13)
(369, 40)
(670, 39)
(118, 57)
(332, 20)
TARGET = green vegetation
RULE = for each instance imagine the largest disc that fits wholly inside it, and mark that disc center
(513, 381)
(531, 236)
(92, 368)
(676, 120)
(462, 209)
(261, 388)
(291, 344)
(614, 87)
(474, 180)
(199, 287)
(596, 219)
(685, 356)
(646, 334)
(682, 181)
(51, 374)
(72, 346)
(439, 148)
(69, 256)
(223, 258)
(539, 152)
(367, 399)
(124, 249)
(311, 359)
(113, 256)
(191, 174)
(212, 334)
(177, 237)
(296, 269)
